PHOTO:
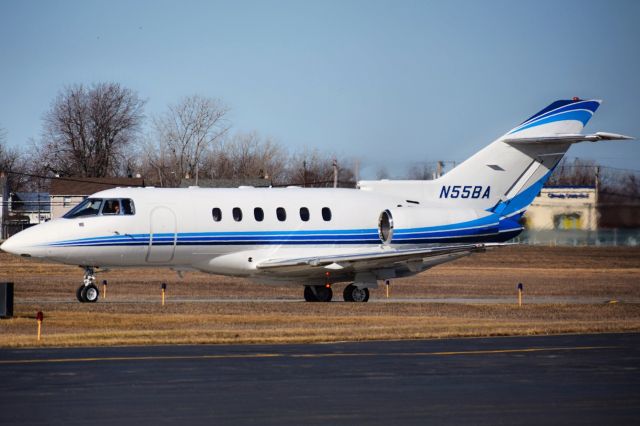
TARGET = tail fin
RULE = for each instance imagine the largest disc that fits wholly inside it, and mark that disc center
(563, 116)
(505, 177)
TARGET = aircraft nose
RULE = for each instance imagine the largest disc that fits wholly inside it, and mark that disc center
(17, 244)
(10, 246)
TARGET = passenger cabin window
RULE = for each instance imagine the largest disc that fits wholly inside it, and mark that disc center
(304, 214)
(96, 206)
(326, 214)
(258, 214)
(237, 214)
(217, 214)
(281, 213)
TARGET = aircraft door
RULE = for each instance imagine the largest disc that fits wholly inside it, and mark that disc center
(162, 235)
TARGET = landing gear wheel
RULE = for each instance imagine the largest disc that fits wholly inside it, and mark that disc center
(79, 294)
(309, 295)
(355, 294)
(90, 293)
(318, 293)
(324, 294)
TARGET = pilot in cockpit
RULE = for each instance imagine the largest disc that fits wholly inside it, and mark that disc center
(111, 207)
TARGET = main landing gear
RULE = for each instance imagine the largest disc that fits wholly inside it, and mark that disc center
(321, 293)
(88, 292)
(317, 293)
(353, 293)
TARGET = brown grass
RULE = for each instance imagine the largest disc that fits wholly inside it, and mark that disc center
(564, 273)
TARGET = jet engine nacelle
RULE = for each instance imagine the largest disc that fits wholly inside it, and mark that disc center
(430, 219)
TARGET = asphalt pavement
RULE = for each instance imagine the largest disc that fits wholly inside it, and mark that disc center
(566, 379)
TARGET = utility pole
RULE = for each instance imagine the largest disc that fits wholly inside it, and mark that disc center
(597, 182)
(596, 195)
(4, 187)
(335, 173)
(356, 171)
(304, 174)
(440, 168)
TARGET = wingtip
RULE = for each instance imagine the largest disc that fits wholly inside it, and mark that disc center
(614, 136)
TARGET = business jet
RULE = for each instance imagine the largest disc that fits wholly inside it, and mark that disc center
(318, 237)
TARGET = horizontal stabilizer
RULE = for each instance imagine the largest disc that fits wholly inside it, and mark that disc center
(568, 138)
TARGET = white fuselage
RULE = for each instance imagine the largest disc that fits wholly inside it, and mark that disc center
(176, 228)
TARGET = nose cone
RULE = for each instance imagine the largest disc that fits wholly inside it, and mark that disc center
(6, 246)
(28, 242)
(15, 245)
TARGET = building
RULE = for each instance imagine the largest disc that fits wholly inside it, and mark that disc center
(36, 206)
(226, 183)
(564, 207)
(66, 193)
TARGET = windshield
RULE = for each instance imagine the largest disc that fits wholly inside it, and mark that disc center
(89, 207)
(112, 206)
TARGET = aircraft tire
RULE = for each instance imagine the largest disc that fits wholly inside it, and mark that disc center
(324, 294)
(356, 294)
(90, 293)
(347, 293)
(79, 294)
(309, 296)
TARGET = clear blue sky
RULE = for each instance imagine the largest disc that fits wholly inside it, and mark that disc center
(389, 82)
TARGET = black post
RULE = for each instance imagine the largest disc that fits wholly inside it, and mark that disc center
(6, 300)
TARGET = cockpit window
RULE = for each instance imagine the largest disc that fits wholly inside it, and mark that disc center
(111, 207)
(89, 207)
(128, 207)
(92, 206)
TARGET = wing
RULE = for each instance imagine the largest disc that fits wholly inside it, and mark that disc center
(569, 138)
(368, 260)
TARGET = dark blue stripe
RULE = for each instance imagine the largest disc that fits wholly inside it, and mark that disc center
(568, 105)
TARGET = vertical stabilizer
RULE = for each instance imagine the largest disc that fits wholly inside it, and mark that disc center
(505, 177)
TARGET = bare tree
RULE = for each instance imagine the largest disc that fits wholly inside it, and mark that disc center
(313, 168)
(421, 171)
(574, 173)
(154, 163)
(247, 155)
(87, 129)
(382, 172)
(184, 133)
(13, 164)
(8, 157)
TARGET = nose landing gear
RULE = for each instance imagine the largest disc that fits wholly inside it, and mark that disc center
(88, 292)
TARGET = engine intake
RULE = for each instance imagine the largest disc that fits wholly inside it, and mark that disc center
(385, 226)
(419, 224)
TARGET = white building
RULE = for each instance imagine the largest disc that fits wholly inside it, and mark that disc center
(564, 207)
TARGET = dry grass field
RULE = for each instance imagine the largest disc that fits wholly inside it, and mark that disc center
(571, 288)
